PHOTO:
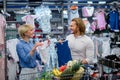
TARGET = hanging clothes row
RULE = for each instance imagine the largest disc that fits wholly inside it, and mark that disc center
(2, 47)
(2, 29)
(96, 19)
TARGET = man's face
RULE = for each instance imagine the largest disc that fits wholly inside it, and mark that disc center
(73, 27)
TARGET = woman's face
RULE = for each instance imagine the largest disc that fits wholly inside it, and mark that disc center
(29, 33)
(73, 27)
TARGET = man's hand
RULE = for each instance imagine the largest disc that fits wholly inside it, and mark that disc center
(84, 61)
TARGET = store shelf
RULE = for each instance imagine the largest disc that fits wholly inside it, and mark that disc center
(15, 22)
(11, 33)
(55, 20)
(109, 63)
(49, 33)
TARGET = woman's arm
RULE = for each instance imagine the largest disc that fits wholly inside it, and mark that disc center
(34, 47)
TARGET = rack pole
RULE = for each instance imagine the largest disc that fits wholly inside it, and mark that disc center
(4, 5)
(4, 8)
(69, 3)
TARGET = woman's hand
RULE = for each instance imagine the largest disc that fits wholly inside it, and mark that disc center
(38, 44)
(35, 46)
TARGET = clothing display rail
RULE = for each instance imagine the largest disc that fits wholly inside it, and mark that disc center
(8, 4)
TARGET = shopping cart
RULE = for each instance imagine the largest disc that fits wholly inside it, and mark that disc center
(48, 75)
(30, 76)
(79, 75)
(38, 75)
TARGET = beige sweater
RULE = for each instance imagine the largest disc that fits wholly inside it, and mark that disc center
(81, 47)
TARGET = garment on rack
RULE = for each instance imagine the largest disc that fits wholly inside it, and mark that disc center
(48, 54)
(2, 68)
(111, 76)
(73, 14)
(18, 17)
(43, 14)
(43, 51)
(63, 52)
(87, 25)
(12, 68)
(93, 25)
(2, 47)
(115, 51)
(105, 46)
(95, 49)
(100, 17)
(29, 19)
(102, 46)
(87, 11)
(53, 54)
(98, 46)
(2, 25)
(114, 20)
(11, 48)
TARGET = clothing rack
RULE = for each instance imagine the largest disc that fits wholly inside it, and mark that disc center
(15, 22)
(57, 3)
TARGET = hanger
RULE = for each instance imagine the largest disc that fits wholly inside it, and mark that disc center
(89, 5)
(59, 9)
(115, 3)
(5, 13)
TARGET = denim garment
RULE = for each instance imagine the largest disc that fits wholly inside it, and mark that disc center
(26, 60)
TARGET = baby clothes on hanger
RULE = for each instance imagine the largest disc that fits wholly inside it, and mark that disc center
(2, 69)
(114, 20)
(73, 14)
(105, 46)
(100, 17)
(53, 54)
(43, 14)
(11, 48)
(115, 51)
(43, 51)
(48, 54)
(87, 11)
(87, 25)
(29, 19)
(93, 25)
(2, 25)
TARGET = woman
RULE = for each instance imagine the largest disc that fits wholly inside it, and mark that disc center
(81, 46)
(26, 51)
